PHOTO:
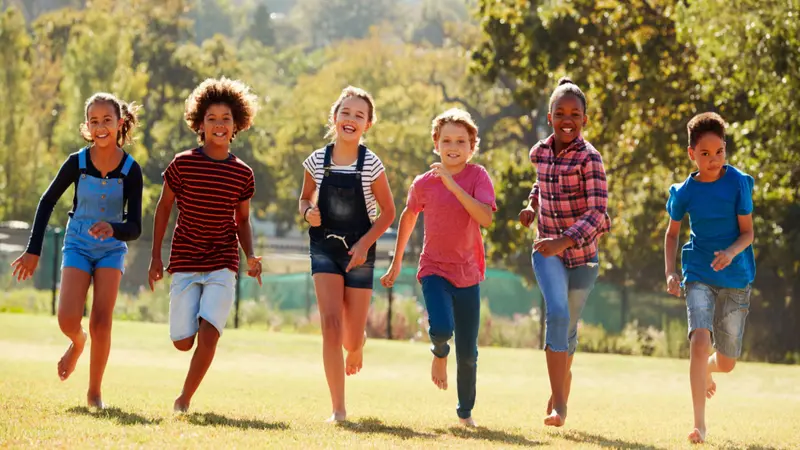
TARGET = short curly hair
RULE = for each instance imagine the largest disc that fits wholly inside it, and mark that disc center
(213, 91)
(459, 117)
(707, 122)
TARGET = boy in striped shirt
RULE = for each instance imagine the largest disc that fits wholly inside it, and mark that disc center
(213, 189)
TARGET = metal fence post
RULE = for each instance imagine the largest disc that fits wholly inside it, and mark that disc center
(55, 269)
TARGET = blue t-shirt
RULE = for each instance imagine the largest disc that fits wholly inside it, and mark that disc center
(713, 210)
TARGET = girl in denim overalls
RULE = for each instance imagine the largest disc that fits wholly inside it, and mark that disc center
(343, 187)
(106, 179)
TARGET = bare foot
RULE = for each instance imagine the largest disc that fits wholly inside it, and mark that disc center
(95, 401)
(67, 363)
(439, 372)
(355, 360)
(469, 422)
(711, 386)
(550, 405)
(697, 436)
(556, 418)
(337, 417)
(181, 405)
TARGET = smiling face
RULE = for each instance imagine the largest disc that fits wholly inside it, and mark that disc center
(708, 155)
(567, 118)
(102, 123)
(453, 144)
(218, 125)
(352, 119)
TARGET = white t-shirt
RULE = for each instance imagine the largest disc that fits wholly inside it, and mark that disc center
(373, 168)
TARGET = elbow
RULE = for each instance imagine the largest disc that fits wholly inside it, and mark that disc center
(389, 214)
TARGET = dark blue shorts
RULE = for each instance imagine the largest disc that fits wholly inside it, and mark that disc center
(329, 255)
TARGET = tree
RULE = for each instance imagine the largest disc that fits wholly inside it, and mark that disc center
(260, 29)
(328, 21)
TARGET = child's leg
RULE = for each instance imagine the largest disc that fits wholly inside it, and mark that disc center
(700, 300)
(219, 290)
(730, 314)
(106, 287)
(71, 302)
(357, 295)
(552, 278)
(185, 291)
(439, 304)
(467, 319)
(330, 303)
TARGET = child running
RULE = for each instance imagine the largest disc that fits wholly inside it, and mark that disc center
(106, 212)
(213, 189)
(458, 199)
(718, 263)
(344, 185)
(570, 199)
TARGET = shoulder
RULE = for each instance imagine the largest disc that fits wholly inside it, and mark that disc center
(184, 156)
(315, 159)
(238, 163)
(540, 147)
(744, 179)
(422, 179)
(679, 189)
(478, 171)
(590, 152)
(136, 169)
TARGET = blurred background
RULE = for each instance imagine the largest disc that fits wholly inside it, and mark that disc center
(646, 66)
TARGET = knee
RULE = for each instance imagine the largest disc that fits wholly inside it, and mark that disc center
(208, 335)
(69, 324)
(440, 333)
(725, 364)
(468, 360)
(331, 327)
(700, 343)
(184, 345)
(557, 314)
(100, 323)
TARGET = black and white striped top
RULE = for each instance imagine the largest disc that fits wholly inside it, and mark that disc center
(373, 168)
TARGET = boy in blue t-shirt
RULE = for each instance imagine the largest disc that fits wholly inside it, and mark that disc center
(718, 263)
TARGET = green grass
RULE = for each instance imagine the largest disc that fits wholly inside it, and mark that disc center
(268, 390)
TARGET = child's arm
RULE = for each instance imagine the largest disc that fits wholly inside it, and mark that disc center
(481, 212)
(308, 209)
(528, 215)
(408, 220)
(131, 228)
(670, 255)
(585, 229)
(383, 194)
(160, 222)
(245, 232)
(723, 258)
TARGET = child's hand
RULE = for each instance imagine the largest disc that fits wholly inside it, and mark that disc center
(313, 217)
(527, 216)
(722, 259)
(155, 272)
(24, 266)
(101, 230)
(388, 279)
(548, 247)
(674, 284)
(254, 268)
(441, 171)
(358, 256)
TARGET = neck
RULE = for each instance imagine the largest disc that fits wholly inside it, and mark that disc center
(343, 148)
(708, 177)
(103, 153)
(216, 151)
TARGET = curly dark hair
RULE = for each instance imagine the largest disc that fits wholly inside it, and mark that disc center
(707, 122)
(233, 93)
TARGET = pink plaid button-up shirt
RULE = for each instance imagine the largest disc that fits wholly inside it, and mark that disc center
(570, 197)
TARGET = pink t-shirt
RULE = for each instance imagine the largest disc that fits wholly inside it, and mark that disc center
(453, 246)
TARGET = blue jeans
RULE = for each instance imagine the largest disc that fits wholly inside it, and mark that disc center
(455, 310)
(565, 292)
(721, 311)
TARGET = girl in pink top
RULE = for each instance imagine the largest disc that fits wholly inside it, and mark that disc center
(457, 198)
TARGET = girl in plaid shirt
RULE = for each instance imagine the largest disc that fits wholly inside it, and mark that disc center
(569, 198)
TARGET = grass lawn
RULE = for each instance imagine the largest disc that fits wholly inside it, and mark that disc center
(268, 390)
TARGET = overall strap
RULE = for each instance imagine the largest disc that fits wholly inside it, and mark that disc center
(82, 160)
(362, 156)
(127, 166)
(326, 163)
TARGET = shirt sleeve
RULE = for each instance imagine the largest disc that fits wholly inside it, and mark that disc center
(310, 164)
(249, 188)
(533, 197)
(414, 202)
(132, 185)
(172, 176)
(588, 225)
(484, 190)
(744, 202)
(377, 169)
(675, 205)
(66, 176)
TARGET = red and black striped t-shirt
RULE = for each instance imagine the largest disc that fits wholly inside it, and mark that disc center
(207, 192)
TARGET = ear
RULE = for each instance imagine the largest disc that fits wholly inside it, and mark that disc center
(369, 125)
(549, 120)
(585, 119)
(690, 151)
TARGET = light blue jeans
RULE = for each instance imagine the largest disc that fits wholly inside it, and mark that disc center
(565, 292)
(195, 295)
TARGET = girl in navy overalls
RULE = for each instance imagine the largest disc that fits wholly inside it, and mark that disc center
(106, 178)
(343, 187)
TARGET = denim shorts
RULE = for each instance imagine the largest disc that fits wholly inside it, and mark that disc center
(195, 295)
(329, 255)
(722, 311)
(88, 253)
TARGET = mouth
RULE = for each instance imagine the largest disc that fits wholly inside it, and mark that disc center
(349, 129)
(453, 155)
(101, 136)
(567, 130)
(220, 134)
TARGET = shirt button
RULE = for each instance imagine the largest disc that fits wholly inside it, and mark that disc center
(102, 209)
(555, 214)
(552, 196)
(104, 182)
(103, 196)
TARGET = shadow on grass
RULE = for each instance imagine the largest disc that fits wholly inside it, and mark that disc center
(217, 420)
(374, 425)
(487, 434)
(581, 437)
(115, 414)
(733, 446)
